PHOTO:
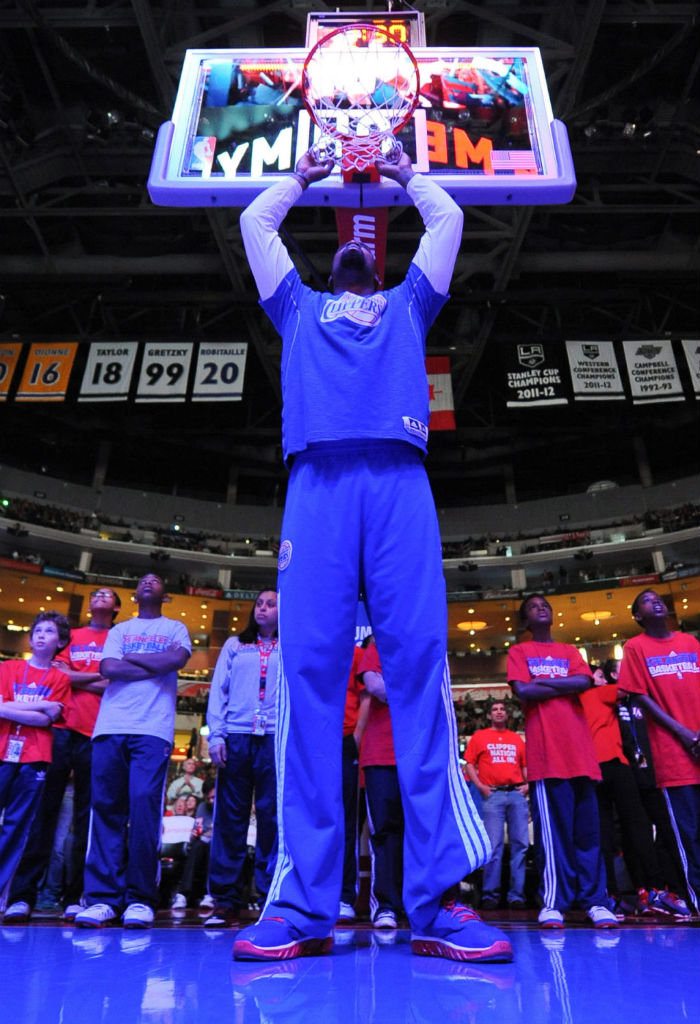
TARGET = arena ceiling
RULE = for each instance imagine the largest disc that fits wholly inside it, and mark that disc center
(85, 254)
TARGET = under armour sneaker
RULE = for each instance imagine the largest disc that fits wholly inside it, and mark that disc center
(96, 916)
(346, 912)
(602, 917)
(138, 915)
(273, 938)
(662, 901)
(385, 919)
(17, 913)
(458, 933)
(548, 917)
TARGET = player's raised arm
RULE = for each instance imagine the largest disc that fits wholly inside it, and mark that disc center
(260, 221)
(443, 219)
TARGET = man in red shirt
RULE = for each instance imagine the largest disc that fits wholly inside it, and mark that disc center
(663, 668)
(548, 676)
(72, 752)
(495, 761)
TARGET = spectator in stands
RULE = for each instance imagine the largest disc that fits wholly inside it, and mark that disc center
(241, 718)
(662, 667)
(495, 763)
(618, 795)
(548, 676)
(187, 783)
(193, 883)
(131, 750)
(32, 696)
(72, 754)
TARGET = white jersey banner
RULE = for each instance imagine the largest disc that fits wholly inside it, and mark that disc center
(692, 356)
(220, 371)
(652, 371)
(108, 371)
(595, 375)
(164, 372)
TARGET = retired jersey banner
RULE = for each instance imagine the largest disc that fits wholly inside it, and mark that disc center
(595, 375)
(442, 405)
(47, 372)
(164, 372)
(692, 356)
(653, 373)
(534, 376)
(9, 354)
(108, 371)
(219, 373)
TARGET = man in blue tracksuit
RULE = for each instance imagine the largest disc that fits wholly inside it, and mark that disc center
(360, 516)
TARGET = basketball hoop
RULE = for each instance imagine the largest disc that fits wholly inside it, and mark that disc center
(360, 86)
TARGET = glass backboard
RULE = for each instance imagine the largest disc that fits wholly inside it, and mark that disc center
(483, 128)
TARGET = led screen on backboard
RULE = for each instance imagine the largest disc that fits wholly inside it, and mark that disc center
(483, 127)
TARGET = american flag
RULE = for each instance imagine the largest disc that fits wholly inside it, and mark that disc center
(513, 160)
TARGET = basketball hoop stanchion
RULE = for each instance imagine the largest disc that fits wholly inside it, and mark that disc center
(360, 86)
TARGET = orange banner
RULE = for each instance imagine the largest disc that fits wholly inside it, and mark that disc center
(46, 375)
(9, 354)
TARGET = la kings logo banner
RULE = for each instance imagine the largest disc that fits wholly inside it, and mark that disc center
(534, 376)
(595, 375)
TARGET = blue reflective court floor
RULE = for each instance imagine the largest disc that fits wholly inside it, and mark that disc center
(54, 974)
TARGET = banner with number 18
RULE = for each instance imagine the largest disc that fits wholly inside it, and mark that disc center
(108, 371)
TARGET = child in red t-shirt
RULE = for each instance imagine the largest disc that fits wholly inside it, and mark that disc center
(32, 696)
(662, 669)
(548, 676)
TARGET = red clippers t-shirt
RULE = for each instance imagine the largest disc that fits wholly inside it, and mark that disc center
(377, 742)
(352, 697)
(20, 681)
(498, 756)
(558, 741)
(599, 708)
(668, 671)
(82, 654)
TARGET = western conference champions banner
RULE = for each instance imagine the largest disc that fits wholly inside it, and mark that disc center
(595, 375)
(652, 372)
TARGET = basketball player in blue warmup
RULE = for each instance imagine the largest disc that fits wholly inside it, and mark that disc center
(360, 515)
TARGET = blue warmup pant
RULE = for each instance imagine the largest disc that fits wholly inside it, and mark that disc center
(385, 817)
(126, 820)
(21, 786)
(567, 843)
(362, 517)
(71, 752)
(249, 768)
(683, 804)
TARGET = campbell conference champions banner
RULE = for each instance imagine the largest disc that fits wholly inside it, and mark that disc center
(595, 375)
(652, 372)
(534, 375)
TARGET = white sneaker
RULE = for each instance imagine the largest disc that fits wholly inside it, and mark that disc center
(179, 902)
(71, 910)
(96, 916)
(138, 915)
(207, 902)
(346, 912)
(550, 918)
(602, 917)
(17, 913)
(385, 919)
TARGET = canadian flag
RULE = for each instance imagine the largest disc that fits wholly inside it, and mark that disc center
(442, 406)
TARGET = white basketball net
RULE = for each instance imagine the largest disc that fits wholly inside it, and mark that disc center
(360, 96)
